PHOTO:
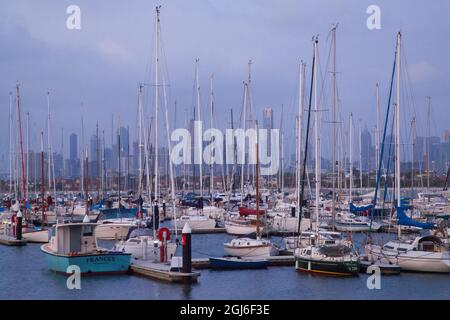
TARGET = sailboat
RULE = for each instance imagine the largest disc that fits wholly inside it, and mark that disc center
(246, 220)
(157, 247)
(423, 253)
(247, 247)
(285, 216)
(330, 259)
(42, 235)
(196, 218)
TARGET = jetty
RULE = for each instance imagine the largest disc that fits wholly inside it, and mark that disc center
(12, 241)
(163, 272)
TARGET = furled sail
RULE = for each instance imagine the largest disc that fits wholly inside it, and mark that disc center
(404, 220)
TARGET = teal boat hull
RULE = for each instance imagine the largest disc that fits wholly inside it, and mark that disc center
(102, 263)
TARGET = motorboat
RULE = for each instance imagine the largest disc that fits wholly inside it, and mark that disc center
(74, 244)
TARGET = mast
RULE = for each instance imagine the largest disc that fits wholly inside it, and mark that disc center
(300, 129)
(350, 146)
(81, 152)
(428, 142)
(51, 168)
(63, 173)
(140, 144)
(156, 173)
(333, 174)
(169, 146)
(42, 180)
(282, 151)
(119, 147)
(250, 117)
(317, 141)
(360, 158)
(211, 171)
(128, 159)
(24, 191)
(28, 152)
(156, 164)
(397, 134)
(413, 128)
(258, 231)
(11, 144)
(98, 160)
(103, 163)
(377, 129)
(243, 144)
(87, 184)
(315, 39)
(199, 137)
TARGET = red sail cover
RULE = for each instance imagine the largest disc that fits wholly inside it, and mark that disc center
(249, 211)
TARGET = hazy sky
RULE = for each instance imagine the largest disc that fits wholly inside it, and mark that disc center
(102, 64)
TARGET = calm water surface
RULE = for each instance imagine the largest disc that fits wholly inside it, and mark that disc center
(24, 275)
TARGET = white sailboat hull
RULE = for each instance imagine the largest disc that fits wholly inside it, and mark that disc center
(248, 251)
(290, 224)
(148, 252)
(41, 236)
(352, 227)
(239, 229)
(196, 224)
(420, 261)
(112, 231)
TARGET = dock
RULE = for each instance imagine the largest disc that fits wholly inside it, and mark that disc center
(162, 272)
(274, 261)
(204, 231)
(11, 241)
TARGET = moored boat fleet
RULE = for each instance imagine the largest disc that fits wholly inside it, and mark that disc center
(106, 231)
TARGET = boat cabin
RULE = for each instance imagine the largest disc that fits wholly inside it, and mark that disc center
(74, 238)
(430, 244)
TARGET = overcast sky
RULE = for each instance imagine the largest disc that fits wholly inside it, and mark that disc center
(102, 64)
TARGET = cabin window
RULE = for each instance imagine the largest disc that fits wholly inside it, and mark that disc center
(389, 247)
(428, 246)
(87, 231)
(308, 252)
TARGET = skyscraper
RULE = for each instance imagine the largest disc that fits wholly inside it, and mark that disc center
(268, 124)
(93, 148)
(268, 118)
(73, 146)
(367, 151)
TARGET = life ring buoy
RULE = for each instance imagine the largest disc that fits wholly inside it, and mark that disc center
(161, 233)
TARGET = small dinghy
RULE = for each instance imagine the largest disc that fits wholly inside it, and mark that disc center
(237, 263)
(386, 268)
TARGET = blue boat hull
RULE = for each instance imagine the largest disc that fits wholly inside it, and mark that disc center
(103, 263)
(224, 263)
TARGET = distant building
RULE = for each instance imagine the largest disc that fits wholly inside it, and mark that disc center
(367, 151)
(73, 143)
(94, 148)
(268, 124)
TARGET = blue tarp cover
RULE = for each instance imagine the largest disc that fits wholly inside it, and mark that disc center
(404, 220)
(355, 209)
